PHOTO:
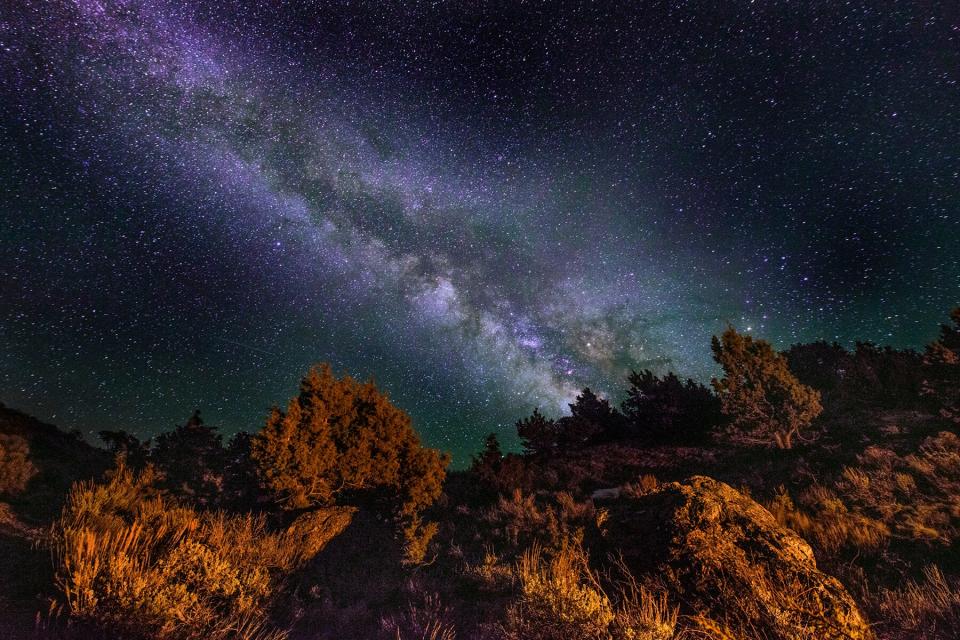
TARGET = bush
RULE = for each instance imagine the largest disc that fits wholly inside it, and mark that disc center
(130, 562)
(929, 608)
(912, 501)
(765, 403)
(561, 598)
(340, 437)
(16, 468)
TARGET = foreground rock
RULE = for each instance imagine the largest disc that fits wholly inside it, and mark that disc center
(731, 565)
(313, 530)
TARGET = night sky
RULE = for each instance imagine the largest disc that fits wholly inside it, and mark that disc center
(484, 205)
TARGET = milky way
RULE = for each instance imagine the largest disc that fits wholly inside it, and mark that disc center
(484, 206)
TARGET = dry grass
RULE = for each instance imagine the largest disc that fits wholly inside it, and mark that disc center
(425, 618)
(929, 608)
(562, 598)
(143, 567)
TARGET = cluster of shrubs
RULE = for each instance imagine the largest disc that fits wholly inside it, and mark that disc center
(190, 537)
(187, 538)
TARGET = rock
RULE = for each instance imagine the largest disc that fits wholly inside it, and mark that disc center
(606, 494)
(726, 559)
(314, 529)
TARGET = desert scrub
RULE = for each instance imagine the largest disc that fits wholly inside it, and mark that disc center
(887, 497)
(929, 607)
(562, 598)
(136, 565)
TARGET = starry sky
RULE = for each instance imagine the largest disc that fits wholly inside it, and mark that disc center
(483, 205)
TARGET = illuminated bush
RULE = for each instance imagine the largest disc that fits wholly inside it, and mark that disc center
(132, 563)
(340, 436)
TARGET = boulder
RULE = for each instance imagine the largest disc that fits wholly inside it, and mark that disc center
(314, 529)
(726, 559)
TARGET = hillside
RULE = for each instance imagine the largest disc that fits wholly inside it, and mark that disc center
(810, 494)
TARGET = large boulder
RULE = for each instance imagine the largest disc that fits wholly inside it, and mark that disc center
(726, 559)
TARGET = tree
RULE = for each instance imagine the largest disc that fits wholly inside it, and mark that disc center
(591, 417)
(764, 402)
(667, 409)
(538, 434)
(941, 368)
(120, 443)
(340, 438)
(191, 460)
(487, 461)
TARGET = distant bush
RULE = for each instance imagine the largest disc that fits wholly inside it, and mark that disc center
(132, 563)
(16, 468)
(764, 402)
(669, 410)
(340, 437)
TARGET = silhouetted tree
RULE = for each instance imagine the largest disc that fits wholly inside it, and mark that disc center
(120, 443)
(941, 371)
(821, 365)
(870, 376)
(241, 486)
(191, 460)
(764, 402)
(490, 457)
(538, 434)
(591, 418)
(666, 409)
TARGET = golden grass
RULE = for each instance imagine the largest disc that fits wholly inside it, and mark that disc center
(562, 598)
(144, 567)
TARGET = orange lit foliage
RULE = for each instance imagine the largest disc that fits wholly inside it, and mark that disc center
(16, 469)
(765, 403)
(134, 564)
(342, 436)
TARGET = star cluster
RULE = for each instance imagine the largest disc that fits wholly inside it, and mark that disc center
(483, 205)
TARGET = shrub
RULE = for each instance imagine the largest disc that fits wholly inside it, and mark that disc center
(424, 618)
(765, 403)
(929, 608)
(133, 563)
(912, 501)
(341, 437)
(560, 598)
(16, 468)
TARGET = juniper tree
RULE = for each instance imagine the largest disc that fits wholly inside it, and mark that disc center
(764, 402)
